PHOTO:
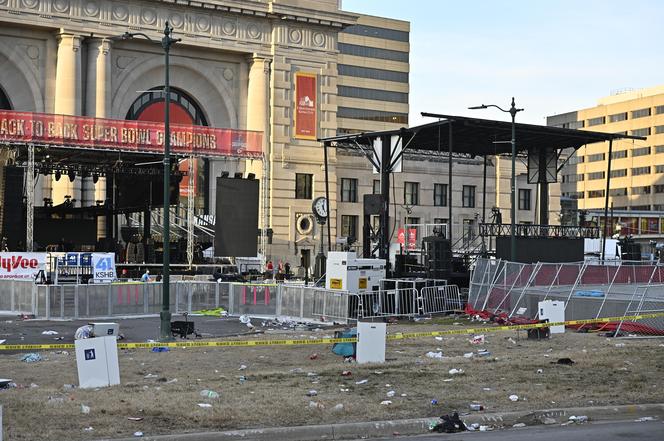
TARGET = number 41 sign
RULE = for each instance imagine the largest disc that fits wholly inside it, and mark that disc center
(103, 265)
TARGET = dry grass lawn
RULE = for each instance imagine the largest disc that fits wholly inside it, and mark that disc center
(278, 379)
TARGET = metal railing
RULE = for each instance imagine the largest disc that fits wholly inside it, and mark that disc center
(528, 230)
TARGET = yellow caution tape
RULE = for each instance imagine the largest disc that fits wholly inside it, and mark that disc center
(320, 341)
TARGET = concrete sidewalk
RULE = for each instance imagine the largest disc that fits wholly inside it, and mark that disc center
(381, 429)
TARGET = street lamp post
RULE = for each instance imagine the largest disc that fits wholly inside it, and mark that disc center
(166, 42)
(512, 111)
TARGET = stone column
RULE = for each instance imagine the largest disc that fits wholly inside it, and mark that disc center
(97, 104)
(257, 119)
(67, 101)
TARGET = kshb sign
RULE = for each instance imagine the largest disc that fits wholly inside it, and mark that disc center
(103, 265)
(21, 266)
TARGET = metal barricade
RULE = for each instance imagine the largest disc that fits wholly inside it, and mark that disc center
(440, 299)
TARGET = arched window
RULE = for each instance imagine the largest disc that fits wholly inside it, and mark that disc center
(4, 101)
(150, 107)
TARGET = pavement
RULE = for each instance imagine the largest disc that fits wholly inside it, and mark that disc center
(134, 329)
(420, 426)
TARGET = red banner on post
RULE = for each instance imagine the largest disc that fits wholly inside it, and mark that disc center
(306, 105)
(412, 237)
(126, 135)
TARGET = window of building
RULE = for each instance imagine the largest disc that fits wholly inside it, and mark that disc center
(619, 173)
(468, 196)
(641, 132)
(440, 228)
(572, 125)
(349, 226)
(596, 157)
(303, 185)
(372, 52)
(659, 149)
(375, 223)
(412, 220)
(372, 94)
(619, 154)
(657, 207)
(371, 73)
(659, 129)
(440, 195)
(636, 171)
(376, 32)
(524, 199)
(639, 208)
(348, 190)
(641, 151)
(659, 109)
(595, 175)
(618, 192)
(575, 159)
(618, 117)
(659, 188)
(411, 192)
(659, 168)
(372, 115)
(573, 194)
(596, 121)
(376, 186)
(641, 113)
(573, 178)
(641, 190)
(596, 194)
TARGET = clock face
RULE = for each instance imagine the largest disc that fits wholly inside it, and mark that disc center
(320, 207)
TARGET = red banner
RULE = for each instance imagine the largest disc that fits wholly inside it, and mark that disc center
(306, 105)
(126, 135)
(412, 237)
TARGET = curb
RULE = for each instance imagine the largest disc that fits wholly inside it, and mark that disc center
(418, 426)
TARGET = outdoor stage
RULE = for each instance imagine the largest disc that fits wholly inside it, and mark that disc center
(68, 181)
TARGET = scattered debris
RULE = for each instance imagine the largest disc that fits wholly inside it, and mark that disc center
(485, 428)
(31, 357)
(578, 419)
(620, 345)
(68, 386)
(83, 332)
(435, 354)
(5, 383)
(511, 340)
(455, 371)
(566, 361)
(548, 421)
(85, 409)
(204, 405)
(386, 402)
(362, 382)
(434, 402)
(209, 394)
(312, 393)
(346, 374)
(476, 407)
(439, 338)
(313, 356)
(449, 424)
(518, 425)
(88, 429)
(160, 349)
(477, 340)
(540, 371)
(483, 352)
(338, 407)
(514, 398)
(391, 393)
(138, 434)
(242, 367)
(135, 418)
(245, 319)
(468, 355)
(644, 419)
(151, 376)
(50, 333)
(316, 405)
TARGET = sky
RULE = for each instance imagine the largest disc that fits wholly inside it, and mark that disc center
(552, 56)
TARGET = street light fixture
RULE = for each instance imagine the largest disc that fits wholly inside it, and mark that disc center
(166, 42)
(512, 111)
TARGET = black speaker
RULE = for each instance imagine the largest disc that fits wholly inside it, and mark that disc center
(373, 203)
(13, 220)
(438, 254)
(236, 219)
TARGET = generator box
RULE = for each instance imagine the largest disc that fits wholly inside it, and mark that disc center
(553, 311)
(345, 272)
(104, 329)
